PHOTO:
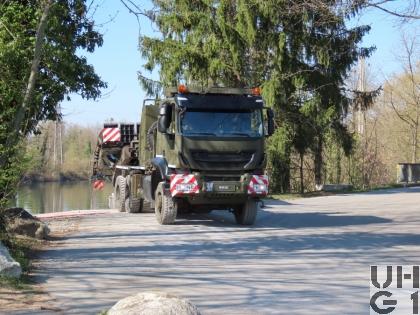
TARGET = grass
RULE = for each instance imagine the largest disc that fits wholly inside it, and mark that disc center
(21, 249)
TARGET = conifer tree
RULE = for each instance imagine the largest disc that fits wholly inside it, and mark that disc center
(300, 53)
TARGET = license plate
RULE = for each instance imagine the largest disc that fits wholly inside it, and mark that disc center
(225, 187)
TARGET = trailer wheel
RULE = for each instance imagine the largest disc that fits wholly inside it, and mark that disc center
(145, 206)
(132, 205)
(247, 213)
(120, 193)
(165, 208)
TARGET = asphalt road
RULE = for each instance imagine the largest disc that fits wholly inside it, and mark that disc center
(304, 256)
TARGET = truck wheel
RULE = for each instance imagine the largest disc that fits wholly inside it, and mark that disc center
(120, 193)
(145, 206)
(132, 205)
(165, 208)
(246, 214)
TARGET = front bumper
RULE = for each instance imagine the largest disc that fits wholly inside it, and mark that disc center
(198, 188)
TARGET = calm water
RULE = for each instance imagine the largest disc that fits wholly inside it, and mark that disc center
(56, 197)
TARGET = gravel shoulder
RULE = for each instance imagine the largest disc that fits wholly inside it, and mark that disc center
(302, 256)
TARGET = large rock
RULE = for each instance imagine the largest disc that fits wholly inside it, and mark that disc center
(8, 266)
(153, 303)
(21, 222)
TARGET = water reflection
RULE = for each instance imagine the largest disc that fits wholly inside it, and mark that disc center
(56, 197)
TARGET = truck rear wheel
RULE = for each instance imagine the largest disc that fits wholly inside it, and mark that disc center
(146, 206)
(246, 214)
(120, 193)
(132, 205)
(165, 208)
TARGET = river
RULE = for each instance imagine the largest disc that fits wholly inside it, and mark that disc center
(56, 197)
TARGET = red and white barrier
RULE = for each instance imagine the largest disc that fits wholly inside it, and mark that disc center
(183, 184)
(258, 185)
(111, 135)
(98, 184)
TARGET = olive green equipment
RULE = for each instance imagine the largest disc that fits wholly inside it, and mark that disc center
(197, 151)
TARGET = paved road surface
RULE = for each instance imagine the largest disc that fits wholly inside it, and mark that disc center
(305, 256)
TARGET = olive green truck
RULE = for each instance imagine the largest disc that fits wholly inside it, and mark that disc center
(194, 151)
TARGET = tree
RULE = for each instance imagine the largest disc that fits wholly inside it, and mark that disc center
(402, 94)
(40, 65)
(298, 51)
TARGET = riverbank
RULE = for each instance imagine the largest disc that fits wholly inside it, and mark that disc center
(62, 177)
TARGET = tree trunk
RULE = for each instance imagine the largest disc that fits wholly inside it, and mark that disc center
(415, 144)
(318, 162)
(302, 188)
(39, 39)
(18, 128)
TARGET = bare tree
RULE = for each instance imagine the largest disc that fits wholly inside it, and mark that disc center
(410, 10)
(402, 93)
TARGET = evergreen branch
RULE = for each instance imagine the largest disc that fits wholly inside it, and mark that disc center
(152, 87)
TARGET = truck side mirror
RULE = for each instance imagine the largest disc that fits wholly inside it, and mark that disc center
(165, 117)
(270, 122)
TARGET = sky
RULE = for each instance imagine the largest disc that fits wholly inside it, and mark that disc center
(118, 61)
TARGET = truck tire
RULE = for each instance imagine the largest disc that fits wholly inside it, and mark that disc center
(247, 213)
(120, 193)
(132, 205)
(145, 206)
(165, 208)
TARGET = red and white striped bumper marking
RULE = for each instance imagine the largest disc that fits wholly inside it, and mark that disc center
(258, 185)
(183, 184)
(98, 184)
(111, 135)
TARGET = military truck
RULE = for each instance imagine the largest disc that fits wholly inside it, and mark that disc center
(198, 150)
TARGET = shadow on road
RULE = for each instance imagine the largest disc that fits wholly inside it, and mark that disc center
(296, 220)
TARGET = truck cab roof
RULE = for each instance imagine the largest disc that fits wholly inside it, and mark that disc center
(218, 101)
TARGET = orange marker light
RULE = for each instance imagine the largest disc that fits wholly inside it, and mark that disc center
(256, 91)
(182, 89)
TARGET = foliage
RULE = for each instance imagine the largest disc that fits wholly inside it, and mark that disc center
(60, 151)
(62, 70)
(299, 52)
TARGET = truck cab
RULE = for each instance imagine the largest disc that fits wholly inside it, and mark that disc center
(200, 151)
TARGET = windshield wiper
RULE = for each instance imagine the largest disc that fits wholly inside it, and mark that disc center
(239, 134)
(201, 134)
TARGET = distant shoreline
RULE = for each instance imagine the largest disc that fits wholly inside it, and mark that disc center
(28, 179)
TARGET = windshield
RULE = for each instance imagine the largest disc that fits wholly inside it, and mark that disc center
(247, 123)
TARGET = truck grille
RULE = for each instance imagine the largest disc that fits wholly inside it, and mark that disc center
(221, 160)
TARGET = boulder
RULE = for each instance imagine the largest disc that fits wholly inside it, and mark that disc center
(8, 266)
(153, 303)
(21, 222)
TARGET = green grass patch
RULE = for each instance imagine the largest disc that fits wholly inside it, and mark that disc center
(21, 249)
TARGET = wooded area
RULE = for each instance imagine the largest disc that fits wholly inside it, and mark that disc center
(300, 52)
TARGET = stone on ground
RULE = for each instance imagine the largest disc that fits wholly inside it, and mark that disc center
(21, 222)
(8, 266)
(153, 303)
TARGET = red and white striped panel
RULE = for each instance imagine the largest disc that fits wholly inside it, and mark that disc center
(111, 135)
(183, 184)
(258, 185)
